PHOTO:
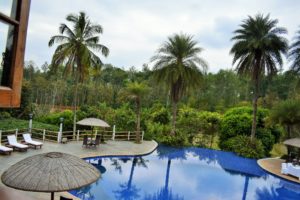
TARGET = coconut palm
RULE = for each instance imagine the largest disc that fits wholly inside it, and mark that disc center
(76, 49)
(294, 53)
(258, 50)
(136, 91)
(178, 65)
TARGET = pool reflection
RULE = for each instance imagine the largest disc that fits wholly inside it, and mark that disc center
(185, 173)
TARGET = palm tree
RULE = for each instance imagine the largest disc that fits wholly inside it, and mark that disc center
(176, 64)
(294, 53)
(257, 50)
(76, 50)
(136, 91)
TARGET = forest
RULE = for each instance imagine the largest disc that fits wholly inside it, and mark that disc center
(249, 110)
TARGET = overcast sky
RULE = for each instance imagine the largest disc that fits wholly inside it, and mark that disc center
(134, 29)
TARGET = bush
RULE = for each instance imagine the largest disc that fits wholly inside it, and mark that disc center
(54, 119)
(124, 118)
(233, 125)
(156, 131)
(161, 116)
(266, 138)
(243, 146)
(238, 122)
(179, 140)
(4, 115)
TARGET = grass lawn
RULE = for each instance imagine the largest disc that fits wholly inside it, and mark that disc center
(12, 123)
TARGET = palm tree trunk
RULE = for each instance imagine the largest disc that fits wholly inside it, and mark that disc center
(75, 108)
(138, 120)
(246, 184)
(174, 107)
(255, 98)
(168, 174)
(134, 161)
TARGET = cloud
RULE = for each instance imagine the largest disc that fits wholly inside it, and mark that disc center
(134, 29)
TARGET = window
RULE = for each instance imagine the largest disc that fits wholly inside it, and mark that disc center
(13, 28)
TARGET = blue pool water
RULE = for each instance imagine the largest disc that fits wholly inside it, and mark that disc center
(185, 174)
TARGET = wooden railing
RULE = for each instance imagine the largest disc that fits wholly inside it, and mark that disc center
(56, 136)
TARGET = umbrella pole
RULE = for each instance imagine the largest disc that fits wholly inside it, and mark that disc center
(52, 195)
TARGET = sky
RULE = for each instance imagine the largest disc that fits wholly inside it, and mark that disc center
(134, 29)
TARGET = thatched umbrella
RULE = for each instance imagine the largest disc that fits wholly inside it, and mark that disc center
(50, 172)
(93, 122)
(294, 142)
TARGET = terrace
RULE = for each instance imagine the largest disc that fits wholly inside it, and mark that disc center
(75, 148)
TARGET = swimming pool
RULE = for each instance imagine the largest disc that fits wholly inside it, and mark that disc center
(185, 174)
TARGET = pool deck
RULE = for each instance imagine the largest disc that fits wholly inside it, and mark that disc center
(273, 166)
(111, 148)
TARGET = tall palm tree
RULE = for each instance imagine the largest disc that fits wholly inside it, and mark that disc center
(258, 50)
(178, 65)
(76, 49)
(294, 53)
(136, 91)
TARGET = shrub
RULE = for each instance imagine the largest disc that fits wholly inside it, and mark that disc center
(233, 125)
(124, 118)
(266, 138)
(243, 146)
(178, 140)
(156, 130)
(238, 121)
(54, 119)
(4, 115)
(161, 116)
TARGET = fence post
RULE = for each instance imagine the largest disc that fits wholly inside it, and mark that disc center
(58, 136)
(30, 123)
(0, 136)
(128, 135)
(96, 132)
(114, 133)
(44, 135)
(78, 135)
(143, 136)
(16, 133)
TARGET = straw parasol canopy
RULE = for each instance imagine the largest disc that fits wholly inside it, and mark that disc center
(93, 122)
(294, 142)
(50, 172)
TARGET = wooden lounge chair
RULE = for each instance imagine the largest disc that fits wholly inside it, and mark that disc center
(5, 150)
(12, 142)
(28, 140)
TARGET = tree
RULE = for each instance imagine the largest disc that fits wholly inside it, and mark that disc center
(176, 64)
(257, 50)
(136, 91)
(294, 53)
(287, 113)
(75, 49)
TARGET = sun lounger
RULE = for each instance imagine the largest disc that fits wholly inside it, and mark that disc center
(28, 140)
(6, 150)
(12, 142)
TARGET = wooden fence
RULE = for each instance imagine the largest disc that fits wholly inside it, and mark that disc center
(53, 136)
